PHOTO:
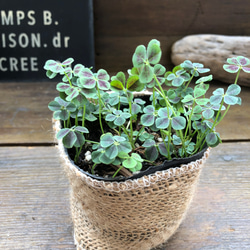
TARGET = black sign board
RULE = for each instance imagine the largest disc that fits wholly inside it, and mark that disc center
(32, 32)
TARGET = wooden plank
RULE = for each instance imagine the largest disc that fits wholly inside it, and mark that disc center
(34, 210)
(219, 217)
(34, 202)
(169, 17)
(24, 115)
(125, 24)
(26, 119)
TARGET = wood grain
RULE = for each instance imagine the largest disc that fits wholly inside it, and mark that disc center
(34, 206)
(24, 115)
(34, 203)
(121, 25)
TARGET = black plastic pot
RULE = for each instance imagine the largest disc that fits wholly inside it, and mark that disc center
(175, 162)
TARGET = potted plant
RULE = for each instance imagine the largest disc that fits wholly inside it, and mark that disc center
(133, 157)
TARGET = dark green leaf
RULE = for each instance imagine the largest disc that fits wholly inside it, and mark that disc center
(146, 74)
(178, 81)
(125, 147)
(139, 56)
(178, 123)
(119, 121)
(147, 119)
(50, 74)
(163, 150)
(106, 140)
(61, 133)
(111, 152)
(54, 106)
(211, 139)
(80, 139)
(69, 140)
(162, 122)
(95, 155)
(151, 153)
(81, 129)
(106, 160)
(148, 143)
(153, 53)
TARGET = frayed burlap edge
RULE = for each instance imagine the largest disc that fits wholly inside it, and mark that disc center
(135, 214)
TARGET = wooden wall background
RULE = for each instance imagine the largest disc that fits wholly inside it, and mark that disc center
(121, 25)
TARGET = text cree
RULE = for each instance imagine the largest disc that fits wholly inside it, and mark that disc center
(18, 64)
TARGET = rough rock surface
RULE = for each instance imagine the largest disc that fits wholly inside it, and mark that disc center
(212, 51)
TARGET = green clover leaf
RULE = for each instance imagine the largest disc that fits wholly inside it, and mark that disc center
(194, 68)
(144, 57)
(236, 64)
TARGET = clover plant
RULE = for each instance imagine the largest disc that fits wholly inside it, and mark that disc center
(101, 115)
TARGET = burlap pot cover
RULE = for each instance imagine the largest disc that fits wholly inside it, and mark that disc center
(135, 214)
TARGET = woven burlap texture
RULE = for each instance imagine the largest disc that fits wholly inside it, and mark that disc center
(133, 215)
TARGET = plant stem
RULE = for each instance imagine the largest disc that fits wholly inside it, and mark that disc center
(100, 110)
(83, 114)
(169, 141)
(68, 79)
(76, 120)
(83, 120)
(76, 155)
(217, 116)
(189, 121)
(190, 80)
(68, 122)
(131, 123)
(139, 132)
(93, 169)
(128, 135)
(237, 76)
(117, 171)
(154, 97)
(162, 93)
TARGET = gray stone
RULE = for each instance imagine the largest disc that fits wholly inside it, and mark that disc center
(212, 51)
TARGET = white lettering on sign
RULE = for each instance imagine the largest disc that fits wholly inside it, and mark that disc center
(18, 64)
(24, 40)
(8, 18)
(57, 41)
(47, 17)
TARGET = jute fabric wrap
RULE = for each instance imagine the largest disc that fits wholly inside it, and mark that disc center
(135, 214)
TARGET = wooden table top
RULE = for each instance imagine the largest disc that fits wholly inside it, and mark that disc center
(34, 193)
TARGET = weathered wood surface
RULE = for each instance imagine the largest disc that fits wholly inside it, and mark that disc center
(34, 206)
(26, 119)
(24, 115)
(212, 51)
(121, 25)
